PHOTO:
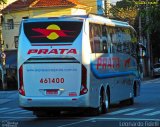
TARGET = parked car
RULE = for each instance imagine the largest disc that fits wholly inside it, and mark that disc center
(156, 70)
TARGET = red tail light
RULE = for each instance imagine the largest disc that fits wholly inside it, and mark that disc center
(21, 87)
(84, 89)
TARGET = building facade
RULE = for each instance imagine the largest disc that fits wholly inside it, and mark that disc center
(100, 7)
(21, 9)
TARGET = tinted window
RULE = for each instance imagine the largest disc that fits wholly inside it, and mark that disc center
(52, 32)
(98, 38)
(104, 39)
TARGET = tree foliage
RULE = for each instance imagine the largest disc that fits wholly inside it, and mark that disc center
(152, 26)
(125, 10)
(125, 4)
(3, 1)
(126, 14)
(154, 18)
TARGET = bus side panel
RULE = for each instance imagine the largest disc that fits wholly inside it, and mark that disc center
(119, 71)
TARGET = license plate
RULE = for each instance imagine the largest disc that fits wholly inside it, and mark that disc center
(52, 92)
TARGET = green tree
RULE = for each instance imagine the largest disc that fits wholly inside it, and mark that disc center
(3, 1)
(125, 4)
(154, 18)
(125, 10)
(153, 26)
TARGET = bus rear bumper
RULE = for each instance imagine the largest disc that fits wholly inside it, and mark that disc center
(52, 102)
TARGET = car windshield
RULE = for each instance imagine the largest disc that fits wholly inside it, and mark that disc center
(156, 65)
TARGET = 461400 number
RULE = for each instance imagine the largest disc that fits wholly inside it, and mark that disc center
(51, 80)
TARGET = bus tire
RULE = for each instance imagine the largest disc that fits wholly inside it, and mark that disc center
(105, 107)
(103, 104)
(130, 101)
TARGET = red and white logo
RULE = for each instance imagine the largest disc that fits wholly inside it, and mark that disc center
(52, 32)
(52, 51)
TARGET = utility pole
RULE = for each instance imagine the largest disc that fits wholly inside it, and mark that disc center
(140, 41)
(107, 7)
(148, 42)
(100, 7)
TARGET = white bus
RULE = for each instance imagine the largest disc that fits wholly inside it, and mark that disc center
(76, 62)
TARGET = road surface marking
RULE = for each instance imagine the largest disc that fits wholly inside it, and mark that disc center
(116, 119)
(26, 112)
(152, 113)
(2, 101)
(15, 117)
(139, 111)
(1, 109)
(74, 123)
(128, 119)
(121, 111)
(9, 110)
(18, 111)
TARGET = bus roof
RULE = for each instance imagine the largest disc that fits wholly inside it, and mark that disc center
(91, 17)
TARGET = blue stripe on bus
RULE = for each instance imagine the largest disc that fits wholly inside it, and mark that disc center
(111, 74)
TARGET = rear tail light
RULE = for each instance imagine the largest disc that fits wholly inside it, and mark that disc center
(84, 89)
(21, 85)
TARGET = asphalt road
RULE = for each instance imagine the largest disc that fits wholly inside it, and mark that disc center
(144, 113)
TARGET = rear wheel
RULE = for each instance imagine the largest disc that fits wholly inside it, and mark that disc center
(103, 105)
(130, 101)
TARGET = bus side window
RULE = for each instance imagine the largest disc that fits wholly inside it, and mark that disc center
(91, 36)
(97, 45)
(104, 39)
(98, 39)
(112, 33)
(105, 49)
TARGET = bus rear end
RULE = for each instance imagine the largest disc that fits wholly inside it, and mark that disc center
(50, 69)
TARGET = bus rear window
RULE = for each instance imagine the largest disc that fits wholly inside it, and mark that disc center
(52, 32)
